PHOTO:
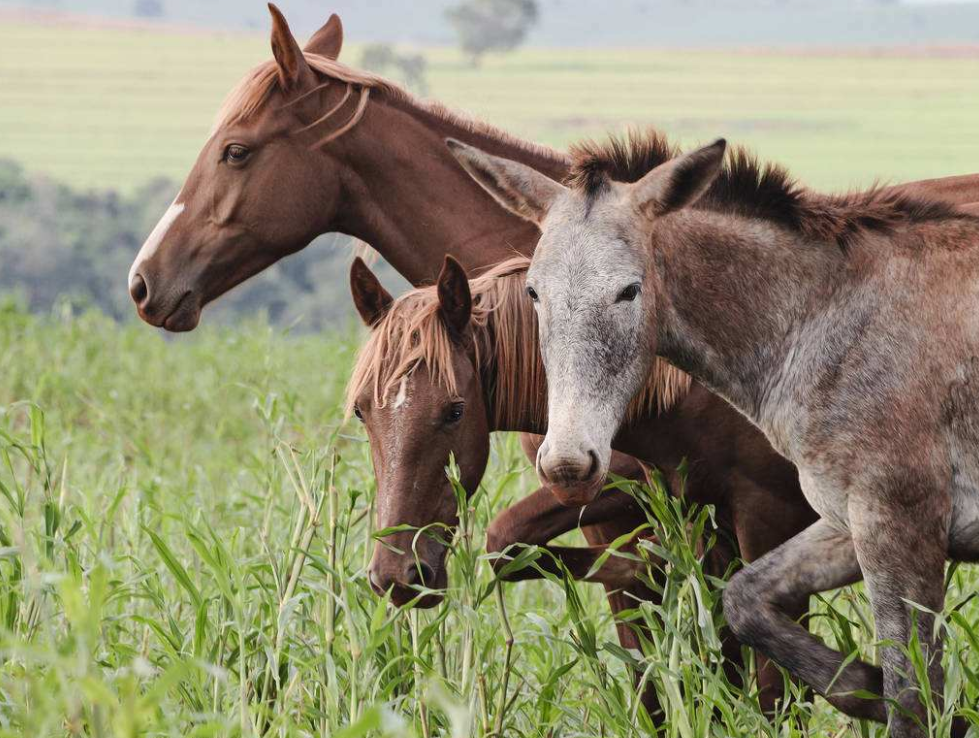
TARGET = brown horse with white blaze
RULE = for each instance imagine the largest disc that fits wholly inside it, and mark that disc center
(844, 327)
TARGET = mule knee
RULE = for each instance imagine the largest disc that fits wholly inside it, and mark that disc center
(745, 608)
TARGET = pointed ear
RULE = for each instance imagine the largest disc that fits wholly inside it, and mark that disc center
(679, 182)
(455, 299)
(520, 189)
(328, 40)
(370, 297)
(293, 69)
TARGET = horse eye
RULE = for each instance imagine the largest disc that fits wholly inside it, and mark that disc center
(454, 415)
(532, 293)
(629, 294)
(236, 153)
(358, 413)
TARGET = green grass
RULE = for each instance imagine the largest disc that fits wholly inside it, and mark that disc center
(113, 107)
(184, 531)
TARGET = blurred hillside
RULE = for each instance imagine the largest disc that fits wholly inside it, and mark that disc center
(587, 24)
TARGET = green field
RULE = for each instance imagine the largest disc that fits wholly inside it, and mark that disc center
(185, 523)
(113, 107)
(160, 576)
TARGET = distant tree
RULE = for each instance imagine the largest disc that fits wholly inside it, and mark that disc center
(148, 8)
(410, 68)
(491, 25)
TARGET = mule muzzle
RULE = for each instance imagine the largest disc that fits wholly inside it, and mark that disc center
(575, 477)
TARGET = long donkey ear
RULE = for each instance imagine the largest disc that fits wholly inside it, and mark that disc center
(520, 189)
(289, 58)
(370, 297)
(455, 299)
(328, 40)
(679, 182)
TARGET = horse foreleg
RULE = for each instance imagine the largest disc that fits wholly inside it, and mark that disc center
(539, 518)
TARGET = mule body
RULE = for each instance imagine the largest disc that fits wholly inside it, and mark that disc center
(844, 327)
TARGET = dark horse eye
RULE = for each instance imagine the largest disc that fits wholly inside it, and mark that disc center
(454, 415)
(629, 294)
(358, 413)
(532, 293)
(236, 153)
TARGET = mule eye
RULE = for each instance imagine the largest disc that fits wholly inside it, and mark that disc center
(532, 293)
(358, 413)
(236, 154)
(454, 415)
(629, 294)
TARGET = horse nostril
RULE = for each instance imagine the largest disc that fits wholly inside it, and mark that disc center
(138, 289)
(419, 574)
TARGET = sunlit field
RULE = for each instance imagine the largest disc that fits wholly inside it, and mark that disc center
(114, 107)
(185, 529)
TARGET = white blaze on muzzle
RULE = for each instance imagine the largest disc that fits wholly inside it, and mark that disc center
(156, 237)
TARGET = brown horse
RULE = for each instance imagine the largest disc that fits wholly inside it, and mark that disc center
(844, 327)
(307, 145)
(445, 366)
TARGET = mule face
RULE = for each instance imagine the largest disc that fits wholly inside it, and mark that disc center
(586, 289)
(413, 432)
(255, 194)
(594, 283)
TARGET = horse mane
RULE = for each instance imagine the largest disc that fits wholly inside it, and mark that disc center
(750, 189)
(257, 86)
(503, 338)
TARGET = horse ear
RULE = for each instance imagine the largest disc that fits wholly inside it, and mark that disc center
(370, 297)
(455, 299)
(289, 58)
(679, 182)
(520, 189)
(328, 40)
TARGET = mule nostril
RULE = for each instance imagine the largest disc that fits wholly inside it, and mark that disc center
(419, 574)
(138, 289)
(593, 467)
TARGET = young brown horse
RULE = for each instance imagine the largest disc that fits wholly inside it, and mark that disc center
(445, 366)
(845, 327)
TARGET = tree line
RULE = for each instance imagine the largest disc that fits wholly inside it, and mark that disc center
(62, 247)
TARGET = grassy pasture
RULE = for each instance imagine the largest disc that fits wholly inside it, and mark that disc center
(112, 107)
(185, 523)
(184, 532)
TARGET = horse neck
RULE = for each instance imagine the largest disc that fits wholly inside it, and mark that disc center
(736, 298)
(408, 198)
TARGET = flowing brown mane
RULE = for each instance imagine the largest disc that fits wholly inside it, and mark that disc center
(750, 189)
(504, 340)
(255, 89)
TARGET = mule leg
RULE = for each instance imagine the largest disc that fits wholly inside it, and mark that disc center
(820, 558)
(902, 563)
(539, 518)
(763, 522)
